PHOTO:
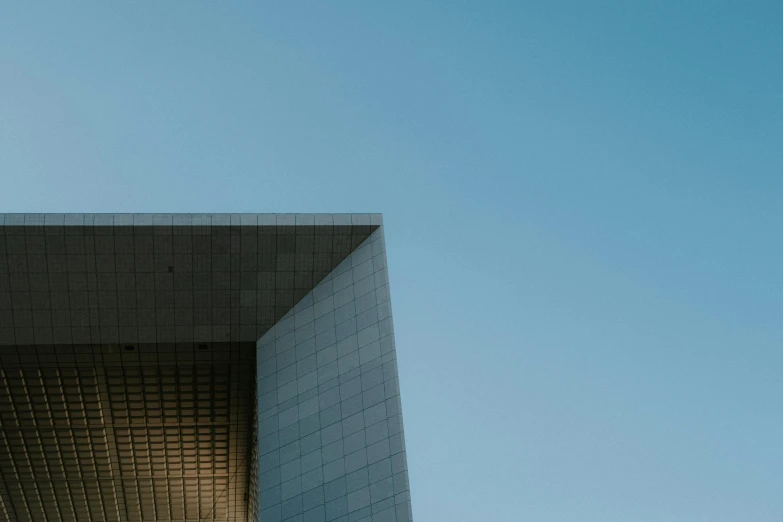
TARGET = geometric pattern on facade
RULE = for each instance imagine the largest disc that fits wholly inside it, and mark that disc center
(133, 382)
(330, 423)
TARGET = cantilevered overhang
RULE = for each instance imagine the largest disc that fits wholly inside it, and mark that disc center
(162, 278)
(127, 355)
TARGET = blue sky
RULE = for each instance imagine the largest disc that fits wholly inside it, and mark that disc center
(583, 206)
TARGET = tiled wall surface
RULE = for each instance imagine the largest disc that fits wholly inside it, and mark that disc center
(330, 434)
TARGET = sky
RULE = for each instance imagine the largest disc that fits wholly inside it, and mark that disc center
(583, 207)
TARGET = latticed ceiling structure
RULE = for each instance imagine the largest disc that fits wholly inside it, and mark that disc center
(107, 439)
(128, 356)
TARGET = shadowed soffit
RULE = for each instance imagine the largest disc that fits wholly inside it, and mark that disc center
(209, 281)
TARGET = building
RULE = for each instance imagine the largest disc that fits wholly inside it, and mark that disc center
(198, 367)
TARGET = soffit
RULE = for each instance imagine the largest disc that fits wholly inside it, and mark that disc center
(127, 284)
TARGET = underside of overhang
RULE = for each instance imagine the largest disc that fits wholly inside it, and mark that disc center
(154, 284)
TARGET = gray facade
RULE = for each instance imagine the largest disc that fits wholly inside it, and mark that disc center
(329, 414)
(198, 367)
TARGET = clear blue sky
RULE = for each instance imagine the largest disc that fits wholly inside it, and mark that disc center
(583, 205)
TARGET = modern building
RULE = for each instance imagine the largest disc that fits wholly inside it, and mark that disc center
(193, 367)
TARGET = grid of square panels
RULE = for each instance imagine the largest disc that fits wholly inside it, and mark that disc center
(51, 427)
(132, 433)
(148, 281)
(330, 432)
(157, 278)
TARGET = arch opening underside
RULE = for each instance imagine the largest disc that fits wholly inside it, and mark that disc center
(126, 433)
